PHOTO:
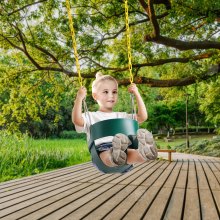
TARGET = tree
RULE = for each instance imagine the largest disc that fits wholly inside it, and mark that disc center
(40, 32)
(210, 102)
(35, 45)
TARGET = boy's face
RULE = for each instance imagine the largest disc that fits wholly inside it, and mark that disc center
(106, 95)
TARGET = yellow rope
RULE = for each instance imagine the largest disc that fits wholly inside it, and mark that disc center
(74, 41)
(128, 41)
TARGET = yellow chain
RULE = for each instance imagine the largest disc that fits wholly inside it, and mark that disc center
(74, 41)
(128, 41)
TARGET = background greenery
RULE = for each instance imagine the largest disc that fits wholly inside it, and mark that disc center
(38, 79)
(22, 156)
(175, 54)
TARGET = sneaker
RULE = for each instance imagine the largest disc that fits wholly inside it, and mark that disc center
(146, 145)
(120, 143)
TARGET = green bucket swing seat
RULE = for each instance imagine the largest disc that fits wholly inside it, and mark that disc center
(112, 127)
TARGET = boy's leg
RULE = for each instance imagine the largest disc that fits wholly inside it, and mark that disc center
(146, 145)
(133, 157)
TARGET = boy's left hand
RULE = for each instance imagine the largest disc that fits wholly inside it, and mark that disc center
(133, 89)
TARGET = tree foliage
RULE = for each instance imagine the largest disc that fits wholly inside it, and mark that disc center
(174, 44)
(161, 33)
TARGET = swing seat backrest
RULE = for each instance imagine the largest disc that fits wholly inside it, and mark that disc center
(110, 127)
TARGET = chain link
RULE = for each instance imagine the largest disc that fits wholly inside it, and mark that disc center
(128, 42)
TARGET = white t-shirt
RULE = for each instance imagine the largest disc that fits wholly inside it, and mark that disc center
(96, 117)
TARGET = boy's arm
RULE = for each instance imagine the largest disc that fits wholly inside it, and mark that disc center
(142, 111)
(77, 118)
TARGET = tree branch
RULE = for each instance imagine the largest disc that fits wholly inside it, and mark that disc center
(173, 82)
(183, 45)
(26, 6)
(153, 19)
(156, 62)
(48, 54)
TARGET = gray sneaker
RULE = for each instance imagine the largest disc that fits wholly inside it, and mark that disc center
(120, 143)
(146, 145)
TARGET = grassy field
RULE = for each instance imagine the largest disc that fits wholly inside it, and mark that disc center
(25, 156)
(201, 145)
(161, 143)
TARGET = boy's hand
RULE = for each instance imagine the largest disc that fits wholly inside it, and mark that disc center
(81, 94)
(133, 89)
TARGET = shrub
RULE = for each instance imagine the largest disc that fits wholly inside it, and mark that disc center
(204, 147)
(72, 135)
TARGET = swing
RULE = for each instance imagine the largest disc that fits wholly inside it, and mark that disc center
(109, 127)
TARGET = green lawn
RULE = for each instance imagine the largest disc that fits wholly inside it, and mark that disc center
(162, 144)
(201, 145)
(25, 156)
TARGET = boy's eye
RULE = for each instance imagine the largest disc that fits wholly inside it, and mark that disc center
(106, 92)
(115, 92)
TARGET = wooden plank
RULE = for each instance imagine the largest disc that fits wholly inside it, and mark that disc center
(176, 203)
(98, 196)
(56, 177)
(211, 178)
(39, 185)
(140, 207)
(154, 190)
(182, 179)
(160, 203)
(192, 176)
(128, 177)
(101, 205)
(215, 170)
(140, 173)
(208, 208)
(36, 203)
(121, 209)
(217, 199)
(207, 205)
(107, 178)
(17, 182)
(13, 201)
(213, 183)
(192, 206)
(148, 173)
(156, 174)
(217, 164)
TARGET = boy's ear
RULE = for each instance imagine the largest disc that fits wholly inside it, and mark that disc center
(94, 96)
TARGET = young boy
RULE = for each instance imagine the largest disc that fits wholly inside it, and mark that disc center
(112, 150)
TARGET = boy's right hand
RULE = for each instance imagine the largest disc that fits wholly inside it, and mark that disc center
(81, 94)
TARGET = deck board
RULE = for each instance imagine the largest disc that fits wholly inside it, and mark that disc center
(183, 189)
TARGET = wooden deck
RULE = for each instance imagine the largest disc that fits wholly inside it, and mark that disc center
(182, 189)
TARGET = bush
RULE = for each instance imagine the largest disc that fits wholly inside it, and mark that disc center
(72, 135)
(204, 147)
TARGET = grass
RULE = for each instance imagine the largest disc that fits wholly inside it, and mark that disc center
(24, 156)
(162, 144)
(200, 145)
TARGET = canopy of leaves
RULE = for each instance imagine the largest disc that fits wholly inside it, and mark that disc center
(173, 43)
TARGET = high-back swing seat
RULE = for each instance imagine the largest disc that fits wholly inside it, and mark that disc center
(112, 127)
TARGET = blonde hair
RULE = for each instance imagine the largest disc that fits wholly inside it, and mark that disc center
(100, 78)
